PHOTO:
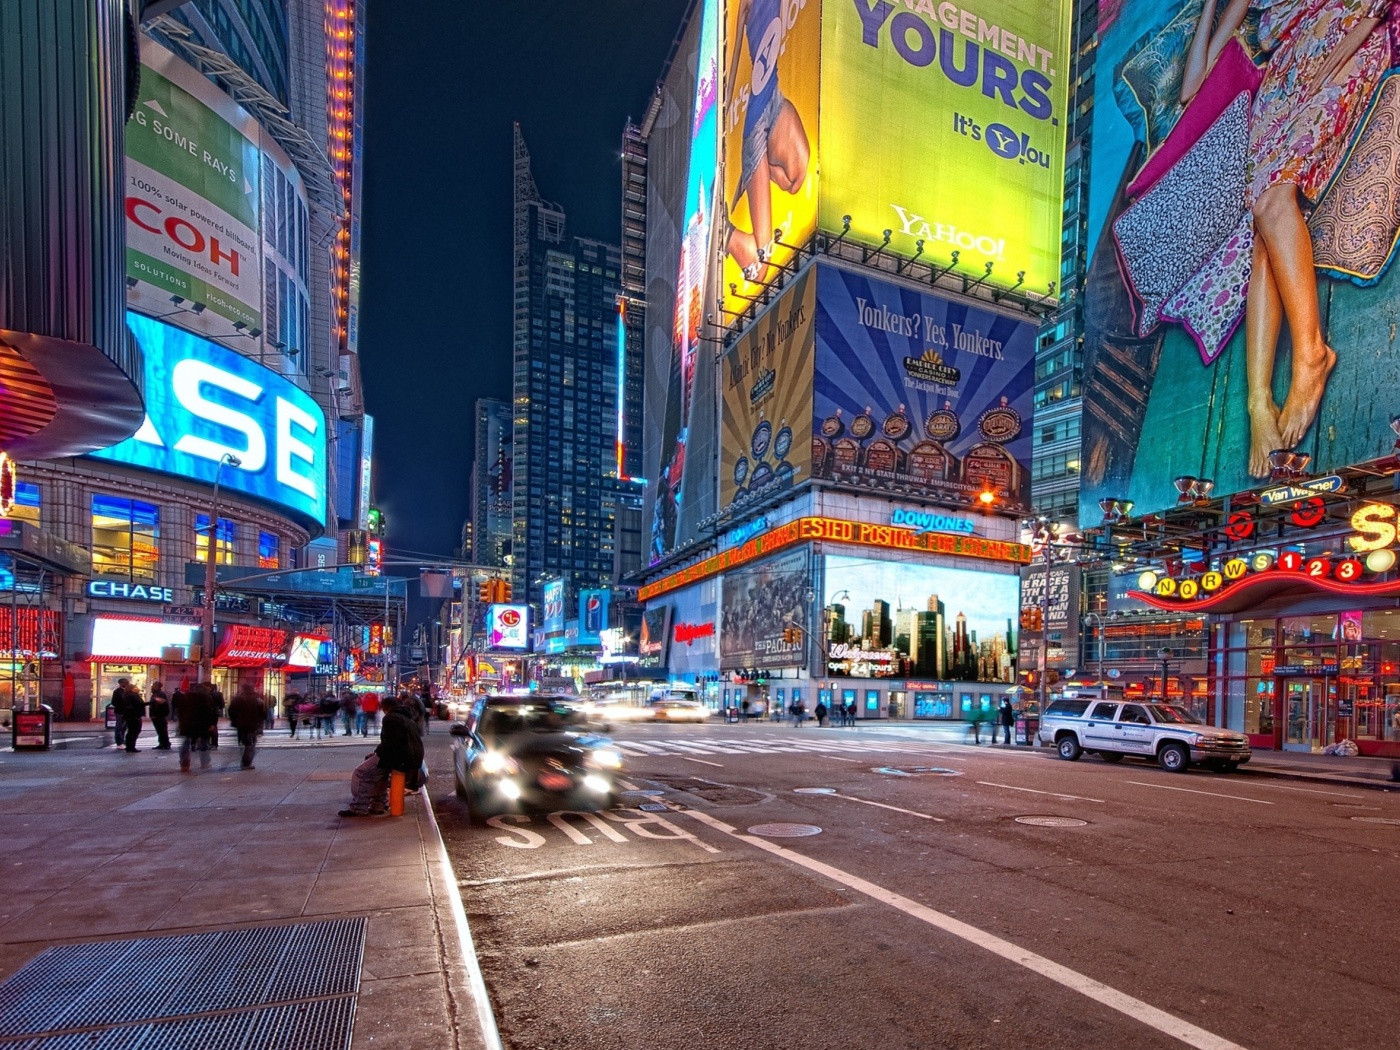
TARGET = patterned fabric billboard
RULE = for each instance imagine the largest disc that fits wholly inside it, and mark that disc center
(757, 605)
(1243, 213)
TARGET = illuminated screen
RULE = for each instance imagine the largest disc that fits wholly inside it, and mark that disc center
(115, 638)
(508, 627)
(305, 652)
(770, 127)
(946, 124)
(204, 401)
(553, 595)
(1295, 110)
(893, 619)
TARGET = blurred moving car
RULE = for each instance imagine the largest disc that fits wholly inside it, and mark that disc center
(514, 752)
(677, 711)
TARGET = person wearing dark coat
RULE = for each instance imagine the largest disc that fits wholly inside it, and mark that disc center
(194, 715)
(1007, 716)
(132, 713)
(247, 714)
(118, 705)
(400, 750)
(159, 710)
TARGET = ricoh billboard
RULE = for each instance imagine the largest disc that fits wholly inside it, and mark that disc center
(204, 402)
(942, 123)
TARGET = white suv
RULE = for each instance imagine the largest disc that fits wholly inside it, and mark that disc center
(1112, 729)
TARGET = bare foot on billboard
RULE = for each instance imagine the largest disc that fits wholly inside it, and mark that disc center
(1264, 436)
(1310, 374)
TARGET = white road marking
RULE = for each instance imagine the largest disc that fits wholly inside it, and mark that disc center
(1033, 791)
(1310, 791)
(1192, 791)
(1128, 1005)
(838, 758)
(687, 758)
(867, 802)
(626, 785)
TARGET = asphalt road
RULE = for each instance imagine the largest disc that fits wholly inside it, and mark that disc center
(1186, 910)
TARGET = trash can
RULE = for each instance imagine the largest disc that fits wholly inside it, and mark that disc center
(32, 730)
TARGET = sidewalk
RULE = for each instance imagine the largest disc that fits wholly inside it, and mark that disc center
(100, 845)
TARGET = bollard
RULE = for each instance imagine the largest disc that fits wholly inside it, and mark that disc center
(396, 794)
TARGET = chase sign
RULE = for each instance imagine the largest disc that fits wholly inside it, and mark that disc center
(204, 401)
(131, 592)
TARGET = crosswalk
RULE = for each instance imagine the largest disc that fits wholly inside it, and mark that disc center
(682, 748)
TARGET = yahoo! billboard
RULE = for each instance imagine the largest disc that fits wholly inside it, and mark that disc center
(204, 402)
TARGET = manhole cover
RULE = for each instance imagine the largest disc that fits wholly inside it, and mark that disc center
(1052, 822)
(784, 831)
(890, 771)
(814, 791)
(654, 807)
(1378, 820)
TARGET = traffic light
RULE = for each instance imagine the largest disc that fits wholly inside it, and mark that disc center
(376, 521)
(504, 590)
(484, 592)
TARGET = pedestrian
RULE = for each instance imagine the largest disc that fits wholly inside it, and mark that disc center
(412, 709)
(325, 714)
(216, 697)
(400, 749)
(132, 713)
(1008, 719)
(820, 712)
(979, 715)
(310, 711)
(117, 706)
(428, 707)
(194, 712)
(744, 707)
(159, 710)
(270, 718)
(369, 714)
(247, 714)
(289, 708)
(799, 713)
(349, 711)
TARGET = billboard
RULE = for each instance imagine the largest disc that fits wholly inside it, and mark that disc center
(920, 395)
(553, 598)
(757, 605)
(1241, 187)
(945, 124)
(767, 396)
(193, 194)
(655, 639)
(771, 58)
(692, 282)
(593, 608)
(894, 619)
(508, 627)
(204, 402)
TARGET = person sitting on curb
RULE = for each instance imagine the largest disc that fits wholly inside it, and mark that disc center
(400, 750)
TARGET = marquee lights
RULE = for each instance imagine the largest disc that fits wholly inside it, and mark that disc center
(1374, 524)
(836, 530)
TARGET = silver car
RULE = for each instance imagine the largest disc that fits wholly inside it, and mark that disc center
(1165, 733)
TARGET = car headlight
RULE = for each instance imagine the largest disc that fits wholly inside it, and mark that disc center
(494, 763)
(596, 784)
(604, 758)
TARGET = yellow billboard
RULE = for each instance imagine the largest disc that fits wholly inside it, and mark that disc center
(772, 52)
(766, 435)
(944, 123)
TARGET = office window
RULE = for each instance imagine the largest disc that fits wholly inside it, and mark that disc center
(125, 537)
(269, 553)
(226, 542)
(26, 506)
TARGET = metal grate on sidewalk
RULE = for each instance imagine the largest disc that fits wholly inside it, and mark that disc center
(274, 986)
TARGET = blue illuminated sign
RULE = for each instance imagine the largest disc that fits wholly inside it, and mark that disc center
(204, 401)
(931, 521)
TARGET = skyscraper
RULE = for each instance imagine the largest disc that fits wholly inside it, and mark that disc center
(492, 474)
(565, 397)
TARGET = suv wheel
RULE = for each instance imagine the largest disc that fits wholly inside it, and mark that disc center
(1174, 758)
(1069, 748)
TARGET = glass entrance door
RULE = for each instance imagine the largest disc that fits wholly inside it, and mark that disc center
(1308, 714)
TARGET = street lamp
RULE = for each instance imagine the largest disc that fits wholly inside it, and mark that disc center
(206, 656)
(1164, 654)
(1097, 618)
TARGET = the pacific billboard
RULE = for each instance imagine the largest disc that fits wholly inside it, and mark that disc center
(193, 194)
(1243, 218)
(758, 605)
(891, 619)
(920, 395)
(766, 379)
(204, 402)
(944, 124)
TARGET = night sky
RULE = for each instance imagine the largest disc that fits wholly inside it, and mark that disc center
(446, 79)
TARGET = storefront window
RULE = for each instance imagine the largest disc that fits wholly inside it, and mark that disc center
(125, 537)
(269, 556)
(933, 705)
(226, 542)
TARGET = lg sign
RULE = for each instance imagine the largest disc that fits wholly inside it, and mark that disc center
(204, 402)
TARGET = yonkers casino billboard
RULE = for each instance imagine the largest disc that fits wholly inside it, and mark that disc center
(757, 604)
(204, 402)
(1244, 169)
